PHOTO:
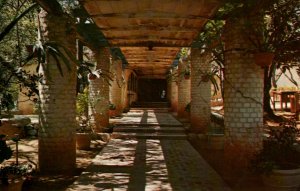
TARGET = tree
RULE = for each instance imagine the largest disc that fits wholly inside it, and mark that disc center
(284, 27)
(281, 28)
(17, 30)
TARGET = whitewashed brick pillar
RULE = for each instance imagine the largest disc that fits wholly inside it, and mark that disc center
(123, 91)
(174, 93)
(99, 92)
(58, 100)
(200, 91)
(169, 90)
(116, 87)
(184, 91)
(243, 98)
(174, 96)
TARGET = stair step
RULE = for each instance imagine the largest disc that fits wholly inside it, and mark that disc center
(150, 104)
(146, 125)
(157, 110)
(149, 136)
(149, 129)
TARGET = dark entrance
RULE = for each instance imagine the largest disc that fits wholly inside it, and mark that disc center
(152, 90)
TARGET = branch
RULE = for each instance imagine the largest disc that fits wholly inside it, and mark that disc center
(291, 78)
(15, 21)
(51, 6)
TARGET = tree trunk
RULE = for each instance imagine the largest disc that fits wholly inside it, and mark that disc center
(267, 87)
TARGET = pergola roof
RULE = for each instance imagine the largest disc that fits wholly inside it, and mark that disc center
(150, 32)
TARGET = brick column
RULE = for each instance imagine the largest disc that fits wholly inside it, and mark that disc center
(200, 91)
(243, 88)
(174, 93)
(174, 96)
(116, 87)
(169, 90)
(99, 92)
(184, 91)
(123, 92)
(57, 151)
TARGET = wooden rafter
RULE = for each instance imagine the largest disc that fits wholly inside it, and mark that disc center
(150, 33)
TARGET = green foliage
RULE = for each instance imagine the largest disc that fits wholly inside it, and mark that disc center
(83, 70)
(7, 101)
(112, 106)
(210, 36)
(14, 171)
(278, 150)
(184, 53)
(5, 150)
(187, 108)
(14, 22)
(82, 102)
(17, 29)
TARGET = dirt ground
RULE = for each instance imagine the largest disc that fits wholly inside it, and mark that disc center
(28, 152)
(238, 178)
(231, 166)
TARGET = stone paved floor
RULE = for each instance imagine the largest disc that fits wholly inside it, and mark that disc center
(149, 164)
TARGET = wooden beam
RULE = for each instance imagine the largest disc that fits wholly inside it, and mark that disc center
(145, 49)
(143, 59)
(147, 38)
(165, 55)
(146, 43)
(133, 28)
(150, 64)
(149, 15)
(149, 76)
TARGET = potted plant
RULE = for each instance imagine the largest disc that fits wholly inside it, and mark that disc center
(262, 39)
(13, 175)
(83, 136)
(83, 131)
(279, 159)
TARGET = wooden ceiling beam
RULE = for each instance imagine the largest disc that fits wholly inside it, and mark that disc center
(151, 64)
(149, 15)
(156, 56)
(152, 76)
(147, 38)
(147, 59)
(166, 54)
(147, 43)
(145, 49)
(147, 53)
(149, 28)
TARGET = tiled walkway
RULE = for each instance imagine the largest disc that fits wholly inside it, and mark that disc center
(154, 156)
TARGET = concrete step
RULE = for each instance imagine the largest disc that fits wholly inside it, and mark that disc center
(146, 125)
(154, 129)
(157, 110)
(151, 104)
(167, 136)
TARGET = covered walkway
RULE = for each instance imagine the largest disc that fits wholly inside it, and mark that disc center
(149, 151)
(150, 35)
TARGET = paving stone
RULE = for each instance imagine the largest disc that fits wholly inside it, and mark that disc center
(149, 164)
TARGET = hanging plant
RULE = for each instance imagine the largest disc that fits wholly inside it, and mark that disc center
(210, 76)
(112, 106)
(92, 76)
(205, 77)
(187, 74)
(264, 59)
